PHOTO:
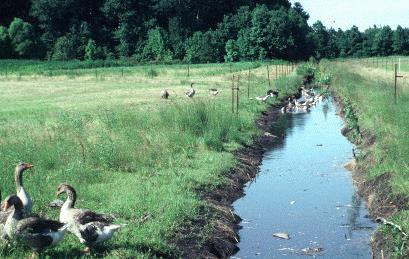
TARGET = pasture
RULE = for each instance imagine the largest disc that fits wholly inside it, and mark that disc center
(107, 132)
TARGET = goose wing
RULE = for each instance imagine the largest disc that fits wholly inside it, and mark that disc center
(39, 233)
(86, 216)
(91, 231)
(36, 225)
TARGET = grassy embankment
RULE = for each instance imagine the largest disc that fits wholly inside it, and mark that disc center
(370, 93)
(126, 151)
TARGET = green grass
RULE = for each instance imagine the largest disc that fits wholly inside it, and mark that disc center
(124, 149)
(372, 99)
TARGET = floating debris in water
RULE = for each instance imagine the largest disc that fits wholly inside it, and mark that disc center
(311, 251)
(282, 235)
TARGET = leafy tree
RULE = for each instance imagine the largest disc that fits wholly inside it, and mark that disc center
(176, 36)
(400, 39)
(200, 48)
(232, 51)
(383, 41)
(6, 50)
(22, 38)
(91, 50)
(64, 48)
(368, 47)
(155, 49)
(350, 42)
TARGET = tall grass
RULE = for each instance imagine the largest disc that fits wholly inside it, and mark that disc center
(373, 102)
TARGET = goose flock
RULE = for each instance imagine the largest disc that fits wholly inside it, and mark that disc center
(307, 100)
(18, 224)
(164, 94)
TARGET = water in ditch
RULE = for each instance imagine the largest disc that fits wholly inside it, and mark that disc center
(304, 190)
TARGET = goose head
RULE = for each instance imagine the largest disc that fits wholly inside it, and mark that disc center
(21, 167)
(70, 191)
(64, 188)
(13, 200)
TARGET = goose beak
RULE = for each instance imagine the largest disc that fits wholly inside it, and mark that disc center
(6, 206)
(58, 193)
(29, 166)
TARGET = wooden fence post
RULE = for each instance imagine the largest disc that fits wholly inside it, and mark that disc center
(396, 82)
(238, 94)
(232, 94)
(248, 86)
(268, 77)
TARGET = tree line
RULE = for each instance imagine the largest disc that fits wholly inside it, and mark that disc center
(181, 30)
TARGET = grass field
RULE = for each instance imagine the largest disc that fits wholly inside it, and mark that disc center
(107, 132)
(371, 93)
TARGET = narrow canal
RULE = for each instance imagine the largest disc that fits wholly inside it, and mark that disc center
(303, 190)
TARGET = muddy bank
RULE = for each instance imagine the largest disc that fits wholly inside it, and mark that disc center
(377, 192)
(221, 224)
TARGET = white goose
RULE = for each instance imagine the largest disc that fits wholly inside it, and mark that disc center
(191, 92)
(90, 227)
(213, 91)
(21, 192)
(164, 94)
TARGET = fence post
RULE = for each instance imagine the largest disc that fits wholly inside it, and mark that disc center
(238, 93)
(268, 77)
(248, 86)
(232, 94)
(396, 77)
(276, 72)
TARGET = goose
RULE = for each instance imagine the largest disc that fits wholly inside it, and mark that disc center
(191, 92)
(90, 227)
(164, 94)
(213, 91)
(35, 232)
(273, 93)
(21, 192)
(304, 108)
(262, 98)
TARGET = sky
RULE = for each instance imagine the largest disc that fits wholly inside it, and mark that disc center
(362, 13)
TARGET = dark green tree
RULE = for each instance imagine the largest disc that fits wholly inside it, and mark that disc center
(155, 48)
(6, 50)
(383, 41)
(23, 38)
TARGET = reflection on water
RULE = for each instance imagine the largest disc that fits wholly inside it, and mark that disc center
(303, 190)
